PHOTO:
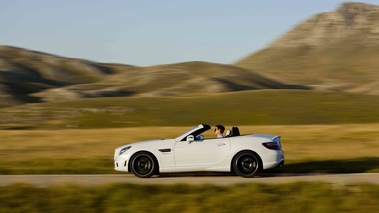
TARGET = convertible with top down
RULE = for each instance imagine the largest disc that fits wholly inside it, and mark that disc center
(245, 155)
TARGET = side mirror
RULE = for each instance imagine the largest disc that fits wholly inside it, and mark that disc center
(190, 139)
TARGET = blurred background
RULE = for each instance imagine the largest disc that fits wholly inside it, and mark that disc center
(78, 79)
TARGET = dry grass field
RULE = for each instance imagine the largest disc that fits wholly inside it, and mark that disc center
(315, 148)
(299, 142)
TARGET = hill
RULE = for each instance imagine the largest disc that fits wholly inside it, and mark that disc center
(24, 72)
(330, 51)
(182, 79)
(29, 77)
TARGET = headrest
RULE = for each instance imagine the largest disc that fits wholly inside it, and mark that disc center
(236, 131)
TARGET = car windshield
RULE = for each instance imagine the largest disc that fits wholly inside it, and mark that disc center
(186, 133)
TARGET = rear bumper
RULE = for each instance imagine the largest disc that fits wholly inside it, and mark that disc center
(281, 163)
(273, 160)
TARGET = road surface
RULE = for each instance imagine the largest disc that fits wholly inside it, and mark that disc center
(47, 180)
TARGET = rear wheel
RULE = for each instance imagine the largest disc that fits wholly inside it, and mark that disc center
(144, 165)
(246, 164)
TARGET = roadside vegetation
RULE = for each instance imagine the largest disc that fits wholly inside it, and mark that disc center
(294, 197)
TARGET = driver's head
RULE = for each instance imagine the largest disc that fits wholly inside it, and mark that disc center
(220, 128)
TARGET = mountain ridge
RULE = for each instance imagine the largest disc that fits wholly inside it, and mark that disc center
(322, 29)
(332, 51)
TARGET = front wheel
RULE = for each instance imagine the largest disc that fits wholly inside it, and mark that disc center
(144, 165)
(246, 164)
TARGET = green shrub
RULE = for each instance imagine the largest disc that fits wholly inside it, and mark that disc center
(293, 197)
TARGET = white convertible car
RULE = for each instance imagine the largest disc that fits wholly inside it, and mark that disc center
(191, 152)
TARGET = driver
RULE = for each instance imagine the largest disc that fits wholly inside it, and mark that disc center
(219, 130)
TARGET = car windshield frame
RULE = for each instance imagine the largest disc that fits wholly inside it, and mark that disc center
(199, 128)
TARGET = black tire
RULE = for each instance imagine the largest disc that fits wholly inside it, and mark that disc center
(246, 164)
(144, 165)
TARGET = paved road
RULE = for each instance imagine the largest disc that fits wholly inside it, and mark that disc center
(47, 180)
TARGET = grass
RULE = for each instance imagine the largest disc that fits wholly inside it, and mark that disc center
(294, 197)
(308, 148)
(285, 107)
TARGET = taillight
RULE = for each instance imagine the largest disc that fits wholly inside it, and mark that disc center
(272, 145)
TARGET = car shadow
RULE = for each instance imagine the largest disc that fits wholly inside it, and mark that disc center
(195, 174)
(358, 165)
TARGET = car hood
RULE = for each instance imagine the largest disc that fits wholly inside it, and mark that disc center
(149, 144)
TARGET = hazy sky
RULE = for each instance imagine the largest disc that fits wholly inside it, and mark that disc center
(145, 33)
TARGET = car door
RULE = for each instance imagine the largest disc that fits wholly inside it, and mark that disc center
(201, 152)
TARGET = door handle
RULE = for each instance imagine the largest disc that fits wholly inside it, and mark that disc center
(221, 144)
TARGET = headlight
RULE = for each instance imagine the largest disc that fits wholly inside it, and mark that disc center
(126, 148)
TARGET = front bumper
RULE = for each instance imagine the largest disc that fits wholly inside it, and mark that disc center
(121, 163)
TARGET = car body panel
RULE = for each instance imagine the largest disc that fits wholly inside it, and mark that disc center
(201, 152)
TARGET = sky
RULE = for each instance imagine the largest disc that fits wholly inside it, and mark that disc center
(153, 32)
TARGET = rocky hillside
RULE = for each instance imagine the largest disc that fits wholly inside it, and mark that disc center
(29, 76)
(330, 51)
